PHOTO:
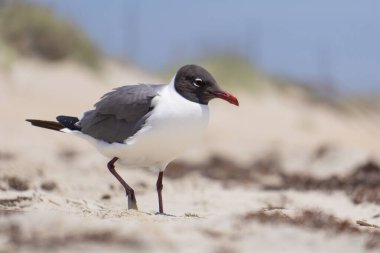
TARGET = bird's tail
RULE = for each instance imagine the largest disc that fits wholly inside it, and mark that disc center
(46, 124)
(61, 123)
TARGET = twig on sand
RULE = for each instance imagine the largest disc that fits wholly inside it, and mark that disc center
(271, 208)
(192, 215)
(366, 224)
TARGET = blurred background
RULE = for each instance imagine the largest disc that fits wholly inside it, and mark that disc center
(302, 145)
(328, 44)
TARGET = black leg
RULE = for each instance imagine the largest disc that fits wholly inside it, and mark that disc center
(159, 190)
(129, 191)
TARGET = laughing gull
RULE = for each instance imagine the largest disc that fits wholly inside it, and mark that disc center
(147, 125)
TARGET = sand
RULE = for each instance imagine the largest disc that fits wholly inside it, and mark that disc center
(56, 193)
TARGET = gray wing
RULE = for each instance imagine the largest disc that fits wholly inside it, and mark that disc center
(120, 113)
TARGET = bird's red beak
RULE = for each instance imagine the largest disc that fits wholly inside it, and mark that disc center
(227, 96)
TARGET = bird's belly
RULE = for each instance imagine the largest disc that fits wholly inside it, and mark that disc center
(161, 140)
(161, 145)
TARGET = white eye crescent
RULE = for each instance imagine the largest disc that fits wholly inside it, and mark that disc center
(198, 82)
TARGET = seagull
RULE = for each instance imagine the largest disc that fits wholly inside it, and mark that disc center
(146, 125)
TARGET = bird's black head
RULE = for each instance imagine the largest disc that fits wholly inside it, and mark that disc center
(197, 85)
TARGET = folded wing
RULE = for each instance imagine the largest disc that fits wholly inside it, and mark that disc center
(120, 113)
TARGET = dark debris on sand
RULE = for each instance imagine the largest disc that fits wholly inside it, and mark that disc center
(7, 156)
(17, 238)
(68, 154)
(14, 202)
(49, 186)
(362, 185)
(315, 220)
(219, 168)
(17, 184)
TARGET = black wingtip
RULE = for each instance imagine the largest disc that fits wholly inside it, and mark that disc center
(68, 122)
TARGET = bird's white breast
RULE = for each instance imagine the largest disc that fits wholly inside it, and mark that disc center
(174, 125)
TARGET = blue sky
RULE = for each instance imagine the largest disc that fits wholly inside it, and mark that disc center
(306, 40)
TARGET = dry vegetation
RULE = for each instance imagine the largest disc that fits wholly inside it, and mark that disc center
(35, 31)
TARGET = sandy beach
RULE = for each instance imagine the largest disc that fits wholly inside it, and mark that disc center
(277, 174)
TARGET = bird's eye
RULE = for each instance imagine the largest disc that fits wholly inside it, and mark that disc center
(198, 82)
